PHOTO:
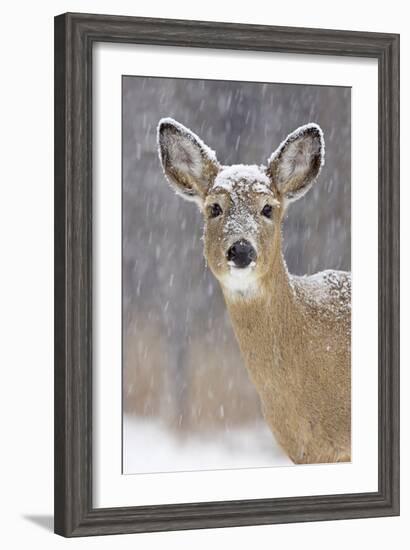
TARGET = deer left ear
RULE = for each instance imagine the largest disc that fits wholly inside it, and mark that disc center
(189, 164)
(296, 163)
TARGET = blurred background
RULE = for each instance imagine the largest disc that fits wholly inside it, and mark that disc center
(187, 401)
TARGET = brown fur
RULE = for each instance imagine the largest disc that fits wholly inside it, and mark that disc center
(297, 352)
(293, 332)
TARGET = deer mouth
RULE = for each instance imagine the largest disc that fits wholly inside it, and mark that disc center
(239, 270)
(240, 280)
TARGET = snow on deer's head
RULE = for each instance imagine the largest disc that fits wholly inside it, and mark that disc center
(242, 205)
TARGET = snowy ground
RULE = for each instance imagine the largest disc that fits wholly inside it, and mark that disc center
(149, 447)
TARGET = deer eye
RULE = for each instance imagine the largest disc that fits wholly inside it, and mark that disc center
(267, 211)
(215, 210)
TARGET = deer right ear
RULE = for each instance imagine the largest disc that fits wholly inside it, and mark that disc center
(189, 165)
(296, 163)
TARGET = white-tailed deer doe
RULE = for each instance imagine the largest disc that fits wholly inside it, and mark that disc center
(293, 332)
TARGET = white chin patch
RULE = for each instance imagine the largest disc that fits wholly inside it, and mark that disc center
(240, 280)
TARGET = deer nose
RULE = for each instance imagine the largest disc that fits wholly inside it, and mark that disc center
(241, 253)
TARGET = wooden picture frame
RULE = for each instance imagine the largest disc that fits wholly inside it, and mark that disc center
(75, 35)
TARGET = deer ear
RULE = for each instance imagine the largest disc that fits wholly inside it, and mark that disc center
(296, 163)
(189, 165)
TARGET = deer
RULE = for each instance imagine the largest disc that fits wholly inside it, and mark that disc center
(294, 332)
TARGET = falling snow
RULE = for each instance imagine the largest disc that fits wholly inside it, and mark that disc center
(187, 396)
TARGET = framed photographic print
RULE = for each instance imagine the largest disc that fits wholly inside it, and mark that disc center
(226, 274)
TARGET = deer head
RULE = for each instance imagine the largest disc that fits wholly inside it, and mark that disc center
(242, 205)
